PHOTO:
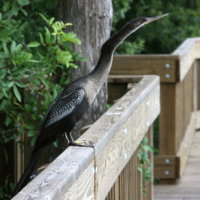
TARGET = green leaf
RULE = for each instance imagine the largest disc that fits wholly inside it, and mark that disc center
(72, 65)
(16, 92)
(63, 57)
(1, 16)
(47, 36)
(33, 44)
(4, 92)
(70, 37)
(23, 2)
(18, 48)
(31, 133)
(41, 38)
(55, 143)
(21, 85)
(5, 48)
(44, 18)
(68, 24)
(34, 61)
(51, 21)
(44, 82)
(10, 84)
(13, 47)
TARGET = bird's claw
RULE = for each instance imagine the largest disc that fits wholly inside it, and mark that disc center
(82, 143)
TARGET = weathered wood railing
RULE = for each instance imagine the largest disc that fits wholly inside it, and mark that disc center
(179, 73)
(87, 173)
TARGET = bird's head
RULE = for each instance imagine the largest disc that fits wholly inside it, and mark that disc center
(141, 21)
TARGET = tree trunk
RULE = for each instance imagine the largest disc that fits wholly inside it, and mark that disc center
(91, 21)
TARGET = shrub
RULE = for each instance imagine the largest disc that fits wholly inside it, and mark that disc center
(35, 61)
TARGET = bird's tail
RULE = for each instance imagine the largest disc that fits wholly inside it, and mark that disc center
(28, 171)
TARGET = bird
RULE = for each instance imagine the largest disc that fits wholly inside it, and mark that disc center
(77, 97)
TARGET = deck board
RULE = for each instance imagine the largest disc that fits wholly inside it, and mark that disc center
(188, 187)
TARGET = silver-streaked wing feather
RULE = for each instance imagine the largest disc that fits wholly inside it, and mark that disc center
(64, 106)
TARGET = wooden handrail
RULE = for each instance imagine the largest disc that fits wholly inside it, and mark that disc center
(170, 67)
(187, 53)
(87, 173)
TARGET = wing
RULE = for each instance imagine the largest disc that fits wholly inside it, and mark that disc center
(64, 106)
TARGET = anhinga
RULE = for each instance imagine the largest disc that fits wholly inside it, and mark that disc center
(77, 97)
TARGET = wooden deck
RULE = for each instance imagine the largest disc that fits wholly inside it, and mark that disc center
(188, 187)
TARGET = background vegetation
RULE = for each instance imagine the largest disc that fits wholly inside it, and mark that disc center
(162, 36)
(35, 54)
(35, 61)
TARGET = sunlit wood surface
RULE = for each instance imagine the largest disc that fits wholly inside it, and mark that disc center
(188, 187)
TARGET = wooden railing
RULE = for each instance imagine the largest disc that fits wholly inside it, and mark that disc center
(179, 75)
(109, 170)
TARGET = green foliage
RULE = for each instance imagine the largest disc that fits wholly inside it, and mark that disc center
(145, 165)
(129, 47)
(120, 8)
(166, 34)
(35, 61)
(156, 135)
(6, 188)
(28, 76)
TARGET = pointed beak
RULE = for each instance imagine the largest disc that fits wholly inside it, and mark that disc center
(151, 19)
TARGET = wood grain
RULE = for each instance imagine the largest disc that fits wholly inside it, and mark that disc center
(187, 52)
(188, 187)
(186, 143)
(64, 173)
(197, 121)
(83, 188)
(198, 83)
(170, 67)
(167, 145)
(162, 65)
(116, 136)
(123, 144)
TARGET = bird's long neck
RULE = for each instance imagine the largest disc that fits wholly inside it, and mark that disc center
(105, 61)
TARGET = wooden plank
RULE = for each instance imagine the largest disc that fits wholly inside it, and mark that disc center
(186, 143)
(149, 185)
(165, 172)
(168, 160)
(179, 114)
(166, 167)
(188, 96)
(176, 106)
(118, 151)
(197, 123)
(188, 187)
(163, 65)
(19, 158)
(187, 52)
(184, 106)
(198, 83)
(130, 183)
(126, 134)
(195, 85)
(170, 67)
(83, 188)
(73, 166)
(124, 79)
(139, 186)
(167, 145)
(116, 136)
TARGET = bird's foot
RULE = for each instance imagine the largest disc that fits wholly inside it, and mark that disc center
(81, 143)
(85, 128)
